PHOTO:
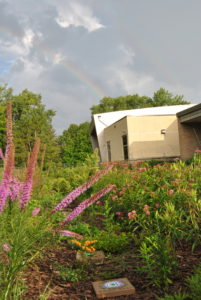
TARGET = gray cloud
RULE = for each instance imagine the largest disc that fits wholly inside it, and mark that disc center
(74, 52)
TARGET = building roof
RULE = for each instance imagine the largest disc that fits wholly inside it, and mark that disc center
(191, 114)
(103, 120)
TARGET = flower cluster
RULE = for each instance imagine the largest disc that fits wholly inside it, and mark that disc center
(1, 154)
(27, 187)
(146, 209)
(132, 215)
(11, 187)
(86, 246)
(71, 234)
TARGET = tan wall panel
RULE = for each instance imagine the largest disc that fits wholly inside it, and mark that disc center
(146, 140)
(114, 133)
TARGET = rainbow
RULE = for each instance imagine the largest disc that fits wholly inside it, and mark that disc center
(67, 65)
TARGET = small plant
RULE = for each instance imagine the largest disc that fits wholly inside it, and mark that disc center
(69, 274)
(194, 283)
(112, 242)
(158, 261)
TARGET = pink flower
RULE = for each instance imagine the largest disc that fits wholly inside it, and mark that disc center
(197, 151)
(82, 206)
(157, 205)
(6, 247)
(1, 154)
(132, 215)
(35, 211)
(118, 213)
(114, 197)
(81, 189)
(98, 202)
(170, 192)
(147, 213)
(27, 187)
(71, 234)
(146, 208)
(140, 170)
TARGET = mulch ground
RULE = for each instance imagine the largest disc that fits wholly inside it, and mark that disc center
(44, 277)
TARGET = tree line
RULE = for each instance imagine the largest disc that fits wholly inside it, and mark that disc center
(31, 119)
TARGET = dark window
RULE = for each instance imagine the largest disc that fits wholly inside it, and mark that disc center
(109, 151)
(125, 146)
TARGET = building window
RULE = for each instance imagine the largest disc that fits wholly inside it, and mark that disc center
(109, 151)
(125, 146)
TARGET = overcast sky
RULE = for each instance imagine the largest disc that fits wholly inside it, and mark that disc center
(75, 52)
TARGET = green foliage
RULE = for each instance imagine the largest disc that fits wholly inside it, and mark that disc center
(111, 242)
(157, 259)
(30, 120)
(71, 275)
(26, 237)
(194, 283)
(160, 98)
(75, 144)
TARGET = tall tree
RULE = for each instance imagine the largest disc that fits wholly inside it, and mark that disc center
(75, 144)
(160, 98)
(163, 97)
(31, 120)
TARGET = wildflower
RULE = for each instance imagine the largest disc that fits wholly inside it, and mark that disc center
(146, 208)
(35, 211)
(98, 202)
(86, 246)
(140, 170)
(157, 205)
(71, 234)
(26, 193)
(197, 151)
(114, 197)
(118, 213)
(6, 247)
(81, 189)
(132, 215)
(1, 154)
(147, 213)
(81, 207)
(170, 192)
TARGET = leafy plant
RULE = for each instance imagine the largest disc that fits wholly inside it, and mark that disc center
(112, 242)
(194, 283)
(69, 274)
(158, 261)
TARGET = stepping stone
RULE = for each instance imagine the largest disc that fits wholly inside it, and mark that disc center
(113, 287)
(97, 257)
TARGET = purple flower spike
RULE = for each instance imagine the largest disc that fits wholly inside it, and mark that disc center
(81, 189)
(35, 211)
(81, 207)
(6, 247)
(27, 188)
(1, 154)
(71, 234)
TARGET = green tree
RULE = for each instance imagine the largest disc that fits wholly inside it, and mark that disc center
(6, 94)
(163, 97)
(75, 144)
(160, 98)
(30, 120)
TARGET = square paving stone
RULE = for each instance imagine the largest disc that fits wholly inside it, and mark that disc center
(113, 287)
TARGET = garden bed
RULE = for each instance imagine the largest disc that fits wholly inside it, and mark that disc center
(47, 272)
